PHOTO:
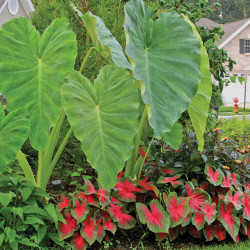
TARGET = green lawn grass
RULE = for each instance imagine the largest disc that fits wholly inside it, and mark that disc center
(231, 113)
(230, 109)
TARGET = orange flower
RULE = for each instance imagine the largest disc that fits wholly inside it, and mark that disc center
(238, 149)
(216, 130)
(225, 138)
(226, 167)
(238, 161)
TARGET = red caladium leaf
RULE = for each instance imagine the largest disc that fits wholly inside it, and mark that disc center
(147, 185)
(161, 236)
(182, 230)
(226, 180)
(197, 196)
(187, 219)
(90, 198)
(103, 196)
(178, 209)
(247, 186)
(89, 188)
(125, 190)
(124, 220)
(158, 221)
(192, 230)
(245, 229)
(205, 186)
(173, 233)
(172, 180)
(167, 171)
(236, 180)
(78, 242)
(246, 204)
(215, 199)
(109, 225)
(80, 211)
(209, 212)
(64, 203)
(220, 232)
(119, 176)
(115, 200)
(89, 230)
(100, 231)
(214, 177)
(228, 217)
(208, 232)
(67, 230)
(237, 238)
(198, 220)
(235, 199)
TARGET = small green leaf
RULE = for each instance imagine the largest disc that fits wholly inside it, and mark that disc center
(74, 174)
(27, 242)
(41, 232)
(11, 234)
(2, 236)
(33, 220)
(6, 198)
(26, 192)
(52, 212)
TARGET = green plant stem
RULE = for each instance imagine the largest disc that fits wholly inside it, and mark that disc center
(139, 174)
(53, 140)
(25, 167)
(85, 59)
(40, 171)
(56, 158)
(129, 169)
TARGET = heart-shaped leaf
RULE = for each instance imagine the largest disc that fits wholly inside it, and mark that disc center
(199, 106)
(177, 208)
(209, 212)
(14, 130)
(198, 220)
(214, 177)
(103, 40)
(166, 57)
(208, 232)
(157, 220)
(32, 71)
(104, 117)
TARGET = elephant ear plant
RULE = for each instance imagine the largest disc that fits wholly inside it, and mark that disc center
(167, 62)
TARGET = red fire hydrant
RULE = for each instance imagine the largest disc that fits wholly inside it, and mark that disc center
(236, 105)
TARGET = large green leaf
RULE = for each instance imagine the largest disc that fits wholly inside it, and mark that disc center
(32, 71)
(199, 106)
(104, 117)
(14, 130)
(174, 136)
(166, 57)
(103, 40)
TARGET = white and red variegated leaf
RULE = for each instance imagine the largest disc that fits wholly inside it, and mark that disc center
(236, 180)
(161, 236)
(157, 220)
(198, 220)
(197, 197)
(67, 230)
(80, 211)
(209, 211)
(89, 230)
(173, 233)
(226, 180)
(103, 197)
(214, 177)
(100, 230)
(89, 188)
(182, 230)
(119, 215)
(227, 215)
(246, 204)
(234, 198)
(219, 232)
(208, 232)
(192, 230)
(177, 208)
(78, 242)
(109, 225)
(172, 180)
(187, 219)
(126, 190)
